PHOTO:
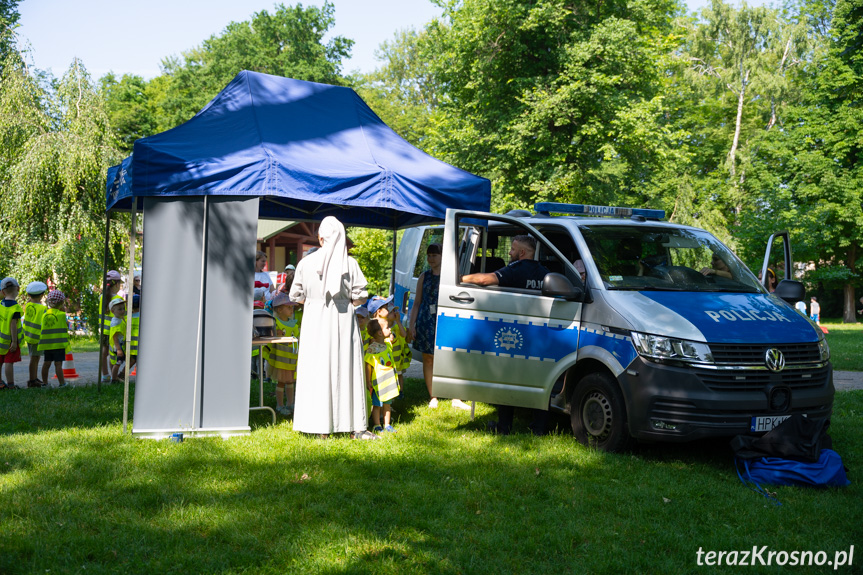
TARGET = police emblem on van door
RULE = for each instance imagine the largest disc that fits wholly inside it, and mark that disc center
(508, 338)
(774, 359)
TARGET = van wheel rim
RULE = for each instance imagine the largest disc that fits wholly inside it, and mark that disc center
(596, 415)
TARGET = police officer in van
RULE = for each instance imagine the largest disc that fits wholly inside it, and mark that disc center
(522, 272)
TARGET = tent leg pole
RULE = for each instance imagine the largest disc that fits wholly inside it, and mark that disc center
(393, 268)
(200, 320)
(130, 277)
(102, 301)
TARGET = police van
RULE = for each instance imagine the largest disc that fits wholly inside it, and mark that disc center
(642, 329)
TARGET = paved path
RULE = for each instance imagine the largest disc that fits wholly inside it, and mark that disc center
(85, 366)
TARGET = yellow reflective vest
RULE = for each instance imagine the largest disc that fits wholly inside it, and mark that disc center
(401, 351)
(33, 313)
(284, 355)
(121, 329)
(136, 328)
(6, 314)
(55, 330)
(385, 380)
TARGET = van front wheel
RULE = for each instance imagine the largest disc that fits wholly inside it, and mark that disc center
(599, 415)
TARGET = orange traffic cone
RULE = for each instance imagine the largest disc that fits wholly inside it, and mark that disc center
(69, 367)
(134, 371)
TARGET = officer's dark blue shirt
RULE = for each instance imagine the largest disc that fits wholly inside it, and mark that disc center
(524, 274)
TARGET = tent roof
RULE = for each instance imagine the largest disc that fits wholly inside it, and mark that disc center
(307, 150)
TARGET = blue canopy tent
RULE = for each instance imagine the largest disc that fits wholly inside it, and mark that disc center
(307, 150)
(265, 147)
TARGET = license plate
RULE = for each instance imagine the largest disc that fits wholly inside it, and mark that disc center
(766, 423)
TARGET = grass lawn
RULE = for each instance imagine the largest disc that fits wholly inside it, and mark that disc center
(83, 343)
(846, 345)
(439, 496)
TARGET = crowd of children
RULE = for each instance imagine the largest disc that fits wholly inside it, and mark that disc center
(44, 328)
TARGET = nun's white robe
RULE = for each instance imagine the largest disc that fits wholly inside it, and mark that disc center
(331, 392)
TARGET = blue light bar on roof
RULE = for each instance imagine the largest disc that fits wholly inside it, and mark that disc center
(586, 210)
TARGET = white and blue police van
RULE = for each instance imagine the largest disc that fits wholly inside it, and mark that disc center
(668, 336)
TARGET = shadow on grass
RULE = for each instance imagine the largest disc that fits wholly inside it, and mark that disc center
(434, 498)
(35, 410)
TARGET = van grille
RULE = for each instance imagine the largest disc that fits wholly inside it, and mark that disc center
(748, 380)
(753, 354)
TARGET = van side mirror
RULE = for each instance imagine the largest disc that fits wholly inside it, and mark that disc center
(790, 290)
(558, 285)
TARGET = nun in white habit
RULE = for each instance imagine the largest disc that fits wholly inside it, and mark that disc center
(331, 392)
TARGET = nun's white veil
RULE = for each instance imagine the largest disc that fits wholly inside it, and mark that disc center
(334, 261)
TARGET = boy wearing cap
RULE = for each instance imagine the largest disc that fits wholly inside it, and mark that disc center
(282, 357)
(114, 283)
(33, 312)
(117, 337)
(11, 334)
(54, 336)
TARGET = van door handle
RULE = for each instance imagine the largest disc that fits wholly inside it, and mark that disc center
(461, 299)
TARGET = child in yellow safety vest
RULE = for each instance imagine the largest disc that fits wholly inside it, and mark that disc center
(381, 377)
(117, 337)
(114, 283)
(33, 312)
(54, 336)
(282, 357)
(382, 309)
(11, 334)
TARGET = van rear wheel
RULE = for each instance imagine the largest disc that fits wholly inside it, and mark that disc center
(598, 414)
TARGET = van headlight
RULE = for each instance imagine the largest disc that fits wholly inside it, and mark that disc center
(670, 348)
(824, 348)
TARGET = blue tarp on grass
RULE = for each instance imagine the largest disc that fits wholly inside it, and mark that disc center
(307, 150)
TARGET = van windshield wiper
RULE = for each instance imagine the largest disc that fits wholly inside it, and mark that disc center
(647, 288)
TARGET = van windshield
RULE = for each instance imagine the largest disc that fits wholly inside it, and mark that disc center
(668, 259)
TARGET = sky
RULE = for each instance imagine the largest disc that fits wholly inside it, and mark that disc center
(133, 36)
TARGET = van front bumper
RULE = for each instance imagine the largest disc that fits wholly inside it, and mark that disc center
(683, 403)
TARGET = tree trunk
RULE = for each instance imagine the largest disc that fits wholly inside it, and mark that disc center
(732, 155)
(849, 303)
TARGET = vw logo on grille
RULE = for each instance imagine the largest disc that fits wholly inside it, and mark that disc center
(774, 359)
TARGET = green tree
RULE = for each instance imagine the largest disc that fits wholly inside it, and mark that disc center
(9, 17)
(289, 42)
(373, 251)
(56, 146)
(740, 73)
(130, 108)
(812, 170)
(553, 100)
(402, 91)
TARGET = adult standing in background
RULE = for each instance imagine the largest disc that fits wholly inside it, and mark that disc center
(264, 288)
(331, 391)
(423, 320)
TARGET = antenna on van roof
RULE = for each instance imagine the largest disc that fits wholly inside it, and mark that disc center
(638, 214)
